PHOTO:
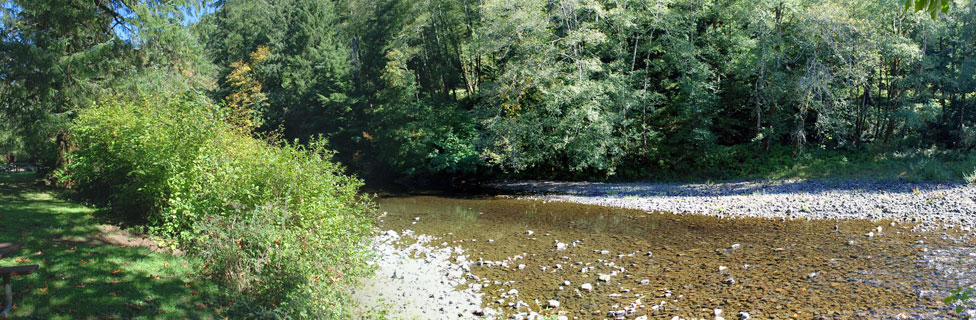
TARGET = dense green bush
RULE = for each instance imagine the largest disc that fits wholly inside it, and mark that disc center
(278, 224)
(422, 139)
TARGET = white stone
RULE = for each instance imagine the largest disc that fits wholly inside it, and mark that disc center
(587, 287)
(553, 304)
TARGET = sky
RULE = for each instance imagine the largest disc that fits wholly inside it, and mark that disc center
(190, 16)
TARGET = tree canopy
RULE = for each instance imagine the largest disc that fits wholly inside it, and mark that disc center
(574, 88)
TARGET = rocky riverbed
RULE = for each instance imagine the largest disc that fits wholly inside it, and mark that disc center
(930, 206)
(497, 257)
(418, 280)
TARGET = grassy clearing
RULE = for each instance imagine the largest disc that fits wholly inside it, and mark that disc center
(82, 277)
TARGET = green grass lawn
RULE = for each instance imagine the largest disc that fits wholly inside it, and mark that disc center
(81, 277)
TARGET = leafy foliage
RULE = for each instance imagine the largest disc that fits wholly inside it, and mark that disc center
(601, 89)
(175, 161)
(933, 7)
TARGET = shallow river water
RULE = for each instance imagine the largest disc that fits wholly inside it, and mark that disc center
(663, 265)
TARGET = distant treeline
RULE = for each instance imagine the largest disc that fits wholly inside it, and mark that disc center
(591, 88)
(587, 88)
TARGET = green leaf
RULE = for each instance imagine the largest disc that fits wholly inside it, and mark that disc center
(908, 5)
(921, 4)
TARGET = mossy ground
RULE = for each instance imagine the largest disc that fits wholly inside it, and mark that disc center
(82, 277)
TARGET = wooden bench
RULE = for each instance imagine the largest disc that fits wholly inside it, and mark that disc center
(14, 271)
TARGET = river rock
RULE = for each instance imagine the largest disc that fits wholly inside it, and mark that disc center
(553, 304)
(587, 287)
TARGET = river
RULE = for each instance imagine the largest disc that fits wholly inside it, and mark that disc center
(602, 262)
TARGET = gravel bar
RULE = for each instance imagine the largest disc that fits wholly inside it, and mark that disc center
(419, 281)
(931, 205)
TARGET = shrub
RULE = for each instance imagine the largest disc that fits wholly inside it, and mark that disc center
(278, 224)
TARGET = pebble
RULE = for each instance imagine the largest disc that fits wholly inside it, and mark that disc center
(587, 287)
(729, 281)
(553, 304)
(744, 315)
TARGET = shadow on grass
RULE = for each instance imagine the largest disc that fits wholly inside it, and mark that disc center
(80, 278)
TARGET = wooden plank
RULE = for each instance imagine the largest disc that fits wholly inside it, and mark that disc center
(18, 270)
(8, 247)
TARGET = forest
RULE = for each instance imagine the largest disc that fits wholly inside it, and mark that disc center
(551, 89)
(206, 121)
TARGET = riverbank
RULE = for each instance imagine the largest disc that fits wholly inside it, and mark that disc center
(930, 205)
(416, 279)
